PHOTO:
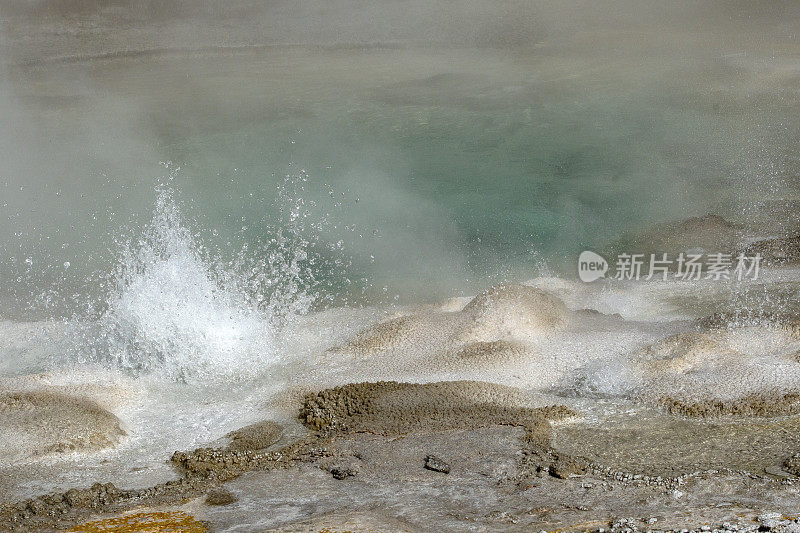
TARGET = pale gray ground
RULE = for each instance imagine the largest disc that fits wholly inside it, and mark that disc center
(488, 488)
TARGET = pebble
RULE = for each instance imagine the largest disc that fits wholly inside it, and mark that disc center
(437, 465)
(342, 473)
(220, 496)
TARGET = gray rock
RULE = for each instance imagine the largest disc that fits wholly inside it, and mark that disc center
(777, 471)
(342, 473)
(220, 496)
(256, 436)
(437, 465)
(565, 468)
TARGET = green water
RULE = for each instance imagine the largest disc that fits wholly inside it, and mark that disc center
(427, 172)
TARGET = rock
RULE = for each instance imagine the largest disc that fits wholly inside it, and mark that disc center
(700, 374)
(437, 465)
(766, 404)
(392, 408)
(36, 423)
(512, 309)
(78, 498)
(220, 496)
(382, 336)
(146, 521)
(777, 471)
(507, 310)
(256, 436)
(792, 465)
(342, 473)
(771, 521)
(565, 468)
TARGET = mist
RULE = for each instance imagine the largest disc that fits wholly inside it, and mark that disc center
(584, 109)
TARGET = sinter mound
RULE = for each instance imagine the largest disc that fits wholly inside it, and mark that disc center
(743, 369)
(502, 312)
(256, 436)
(33, 424)
(391, 408)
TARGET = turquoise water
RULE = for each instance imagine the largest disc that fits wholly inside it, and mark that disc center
(415, 174)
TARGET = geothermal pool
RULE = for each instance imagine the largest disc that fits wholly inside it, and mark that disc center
(194, 239)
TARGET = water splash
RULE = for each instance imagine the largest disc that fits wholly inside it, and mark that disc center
(175, 311)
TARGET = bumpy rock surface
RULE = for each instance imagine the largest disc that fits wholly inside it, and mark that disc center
(792, 465)
(258, 436)
(391, 408)
(762, 404)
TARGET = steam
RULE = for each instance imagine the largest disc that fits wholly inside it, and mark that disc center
(473, 132)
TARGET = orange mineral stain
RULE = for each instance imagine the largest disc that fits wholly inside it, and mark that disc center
(149, 522)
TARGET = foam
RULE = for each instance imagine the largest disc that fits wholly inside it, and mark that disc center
(723, 364)
(749, 370)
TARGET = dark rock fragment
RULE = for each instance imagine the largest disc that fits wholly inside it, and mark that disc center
(437, 465)
(342, 473)
(220, 496)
